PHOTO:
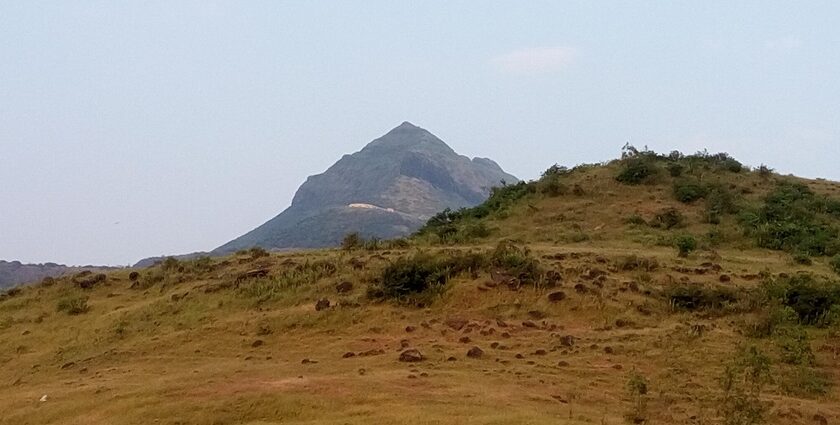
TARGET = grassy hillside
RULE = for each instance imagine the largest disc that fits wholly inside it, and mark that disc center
(651, 289)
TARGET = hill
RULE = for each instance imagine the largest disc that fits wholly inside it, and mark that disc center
(386, 190)
(13, 273)
(666, 289)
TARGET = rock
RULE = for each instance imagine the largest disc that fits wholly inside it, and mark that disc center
(257, 343)
(562, 363)
(43, 398)
(308, 361)
(724, 278)
(567, 341)
(348, 355)
(581, 288)
(404, 344)
(451, 359)
(557, 296)
(475, 353)
(322, 304)
(252, 274)
(410, 329)
(529, 324)
(411, 356)
(465, 340)
(133, 276)
(344, 287)
(540, 352)
(818, 418)
(456, 323)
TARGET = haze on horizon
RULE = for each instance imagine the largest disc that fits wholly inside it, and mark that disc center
(133, 129)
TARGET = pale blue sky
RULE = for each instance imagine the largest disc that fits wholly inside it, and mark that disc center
(130, 129)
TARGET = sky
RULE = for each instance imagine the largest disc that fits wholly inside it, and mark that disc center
(133, 129)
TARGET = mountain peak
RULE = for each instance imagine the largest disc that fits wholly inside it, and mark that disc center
(406, 176)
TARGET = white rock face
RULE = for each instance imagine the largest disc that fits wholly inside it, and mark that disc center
(371, 207)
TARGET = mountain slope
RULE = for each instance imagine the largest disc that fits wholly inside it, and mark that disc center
(574, 305)
(386, 190)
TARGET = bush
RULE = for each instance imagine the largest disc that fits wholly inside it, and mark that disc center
(814, 302)
(675, 169)
(255, 252)
(351, 241)
(667, 219)
(793, 218)
(794, 346)
(74, 306)
(517, 261)
(170, 264)
(695, 297)
(764, 171)
(802, 258)
(636, 170)
(689, 190)
(742, 382)
(685, 245)
(635, 219)
(835, 263)
(633, 262)
(637, 389)
(409, 276)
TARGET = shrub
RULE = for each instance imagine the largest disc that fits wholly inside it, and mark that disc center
(675, 169)
(255, 252)
(351, 241)
(689, 190)
(835, 263)
(695, 297)
(667, 219)
(685, 245)
(636, 170)
(170, 264)
(74, 306)
(406, 278)
(517, 261)
(637, 389)
(635, 219)
(813, 301)
(742, 382)
(794, 345)
(551, 186)
(802, 258)
(793, 218)
(633, 262)
(765, 171)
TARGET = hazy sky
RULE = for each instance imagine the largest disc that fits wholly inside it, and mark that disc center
(138, 128)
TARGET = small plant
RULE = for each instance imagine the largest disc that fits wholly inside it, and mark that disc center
(351, 241)
(696, 297)
(742, 383)
(636, 220)
(255, 252)
(794, 346)
(667, 219)
(637, 389)
(802, 258)
(835, 263)
(636, 171)
(517, 261)
(170, 264)
(685, 245)
(74, 306)
(764, 171)
(689, 190)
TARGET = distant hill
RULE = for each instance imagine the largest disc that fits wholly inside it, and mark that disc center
(13, 273)
(388, 189)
